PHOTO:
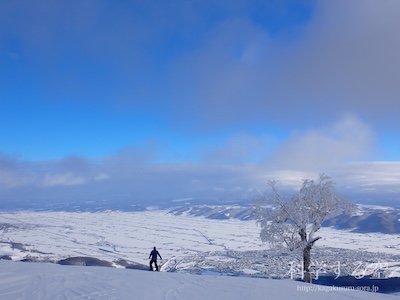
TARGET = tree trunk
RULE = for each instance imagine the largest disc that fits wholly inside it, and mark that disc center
(306, 264)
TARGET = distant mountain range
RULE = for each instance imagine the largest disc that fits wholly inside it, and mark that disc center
(372, 221)
(368, 218)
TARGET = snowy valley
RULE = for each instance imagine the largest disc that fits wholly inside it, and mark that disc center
(192, 241)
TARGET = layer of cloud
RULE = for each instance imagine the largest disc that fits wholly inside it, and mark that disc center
(348, 59)
(69, 171)
(214, 64)
(343, 60)
(347, 140)
(225, 174)
(157, 184)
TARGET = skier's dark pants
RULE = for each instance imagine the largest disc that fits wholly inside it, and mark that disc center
(151, 263)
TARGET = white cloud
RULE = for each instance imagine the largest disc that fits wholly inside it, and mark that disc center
(348, 139)
(345, 59)
(62, 179)
(102, 177)
(11, 179)
(239, 147)
(11, 173)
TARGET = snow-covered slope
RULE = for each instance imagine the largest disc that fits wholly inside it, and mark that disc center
(50, 281)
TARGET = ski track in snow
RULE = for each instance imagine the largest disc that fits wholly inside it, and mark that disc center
(54, 282)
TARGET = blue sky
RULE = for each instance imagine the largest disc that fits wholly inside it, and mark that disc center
(197, 99)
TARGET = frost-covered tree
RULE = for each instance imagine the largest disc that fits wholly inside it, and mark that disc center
(294, 222)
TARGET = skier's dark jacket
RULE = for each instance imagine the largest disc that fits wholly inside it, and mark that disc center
(154, 254)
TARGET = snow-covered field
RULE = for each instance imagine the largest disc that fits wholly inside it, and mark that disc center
(375, 242)
(121, 235)
(187, 244)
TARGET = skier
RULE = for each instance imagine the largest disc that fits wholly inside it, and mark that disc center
(153, 255)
